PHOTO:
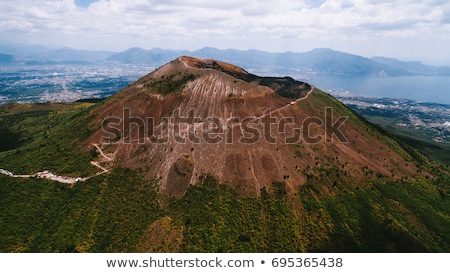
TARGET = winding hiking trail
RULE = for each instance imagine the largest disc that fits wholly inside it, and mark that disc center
(270, 112)
(64, 179)
(98, 163)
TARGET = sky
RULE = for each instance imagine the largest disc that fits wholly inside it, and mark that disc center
(403, 29)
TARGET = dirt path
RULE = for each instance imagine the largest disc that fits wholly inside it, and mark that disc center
(276, 110)
(64, 179)
(102, 153)
(44, 175)
(98, 163)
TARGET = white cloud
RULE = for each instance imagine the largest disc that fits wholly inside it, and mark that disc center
(114, 24)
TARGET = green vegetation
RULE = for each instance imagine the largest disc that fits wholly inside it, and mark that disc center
(105, 214)
(232, 96)
(389, 217)
(419, 139)
(118, 212)
(171, 84)
(42, 139)
(112, 213)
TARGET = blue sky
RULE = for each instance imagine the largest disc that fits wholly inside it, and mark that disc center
(404, 29)
(84, 3)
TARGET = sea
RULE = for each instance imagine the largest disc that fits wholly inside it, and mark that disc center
(434, 89)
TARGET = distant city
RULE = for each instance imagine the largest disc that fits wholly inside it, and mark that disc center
(428, 119)
(65, 83)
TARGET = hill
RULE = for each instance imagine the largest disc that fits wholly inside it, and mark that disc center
(7, 59)
(138, 55)
(196, 163)
(41, 55)
(413, 67)
(319, 60)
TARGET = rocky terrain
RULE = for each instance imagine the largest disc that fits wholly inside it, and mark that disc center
(195, 116)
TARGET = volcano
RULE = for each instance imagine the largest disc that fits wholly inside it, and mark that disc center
(194, 116)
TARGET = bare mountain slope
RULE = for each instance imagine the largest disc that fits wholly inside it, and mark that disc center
(201, 116)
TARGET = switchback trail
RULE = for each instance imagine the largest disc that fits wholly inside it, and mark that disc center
(64, 179)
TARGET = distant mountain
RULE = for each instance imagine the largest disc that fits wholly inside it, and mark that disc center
(331, 61)
(155, 56)
(319, 60)
(26, 52)
(39, 54)
(247, 58)
(414, 67)
(70, 54)
(7, 59)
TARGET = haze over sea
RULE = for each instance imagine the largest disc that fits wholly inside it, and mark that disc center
(434, 89)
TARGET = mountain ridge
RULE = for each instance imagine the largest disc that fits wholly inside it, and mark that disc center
(318, 60)
(414, 67)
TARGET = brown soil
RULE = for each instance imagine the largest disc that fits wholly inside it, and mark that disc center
(213, 92)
